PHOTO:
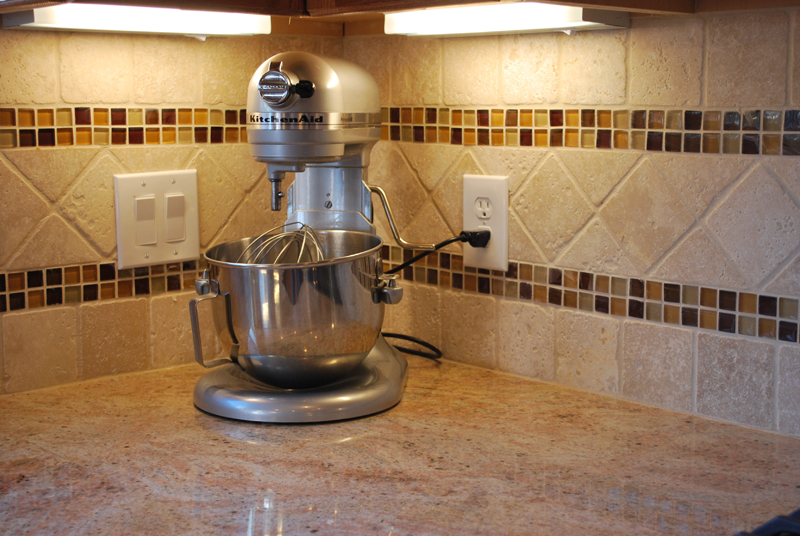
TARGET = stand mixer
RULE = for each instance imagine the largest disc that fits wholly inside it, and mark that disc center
(304, 333)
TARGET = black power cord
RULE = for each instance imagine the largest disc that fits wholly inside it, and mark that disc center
(436, 353)
(476, 239)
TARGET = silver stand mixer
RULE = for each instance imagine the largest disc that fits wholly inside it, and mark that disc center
(301, 307)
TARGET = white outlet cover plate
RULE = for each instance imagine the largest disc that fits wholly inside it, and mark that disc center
(495, 189)
(160, 184)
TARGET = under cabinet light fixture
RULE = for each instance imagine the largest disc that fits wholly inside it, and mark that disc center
(504, 18)
(107, 18)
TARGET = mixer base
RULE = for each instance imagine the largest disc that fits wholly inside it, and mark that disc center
(375, 385)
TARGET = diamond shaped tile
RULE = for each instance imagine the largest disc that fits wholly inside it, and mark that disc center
(430, 161)
(517, 163)
(521, 247)
(428, 227)
(596, 251)
(153, 158)
(235, 158)
(55, 242)
(449, 194)
(51, 171)
(218, 195)
(597, 172)
(20, 210)
(390, 171)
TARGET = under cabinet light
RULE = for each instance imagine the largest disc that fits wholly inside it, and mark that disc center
(516, 17)
(107, 18)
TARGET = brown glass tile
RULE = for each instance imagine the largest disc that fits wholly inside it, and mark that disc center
(107, 291)
(2, 282)
(541, 137)
(708, 319)
(483, 118)
(751, 120)
(27, 138)
(731, 121)
(655, 120)
(672, 142)
(540, 293)
(672, 314)
(52, 276)
(601, 304)
(141, 286)
(457, 263)
(35, 299)
(791, 144)
(498, 287)
(89, 273)
(556, 118)
(90, 292)
(604, 139)
(72, 275)
(16, 281)
(54, 296)
(8, 117)
(636, 288)
(556, 138)
(570, 279)
(588, 118)
(554, 276)
(672, 293)
(787, 331)
(35, 278)
(525, 291)
(173, 282)
(511, 118)
(747, 303)
(618, 307)
(470, 283)
(727, 322)
(639, 119)
(484, 285)
(653, 290)
(572, 118)
(586, 281)
(136, 136)
(432, 276)
(483, 136)
(497, 137)
(526, 137)
(526, 272)
(636, 308)
(692, 120)
(767, 305)
(46, 118)
(526, 118)
(119, 136)
(585, 302)
(571, 137)
(691, 143)
(727, 300)
(201, 135)
(118, 116)
(771, 144)
(540, 274)
(787, 308)
(689, 317)
(554, 296)
(655, 141)
(168, 116)
(746, 326)
(47, 137)
(16, 301)
(711, 143)
(602, 283)
(64, 136)
(767, 328)
(217, 134)
(444, 279)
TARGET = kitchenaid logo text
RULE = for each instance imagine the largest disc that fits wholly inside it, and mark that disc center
(257, 118)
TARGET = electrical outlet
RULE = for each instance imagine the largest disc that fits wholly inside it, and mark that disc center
(486, 208)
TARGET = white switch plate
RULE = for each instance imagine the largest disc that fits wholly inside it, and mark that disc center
(160, 185)
(486, 208)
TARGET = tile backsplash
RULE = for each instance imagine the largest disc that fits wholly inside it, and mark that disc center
(654, 200)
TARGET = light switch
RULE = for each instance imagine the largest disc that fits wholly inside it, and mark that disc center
(145, 210)
(176, 217)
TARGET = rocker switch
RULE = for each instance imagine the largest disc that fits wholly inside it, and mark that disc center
(145, 210)
(176, 217)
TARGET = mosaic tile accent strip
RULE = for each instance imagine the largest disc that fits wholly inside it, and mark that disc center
(68, 285)
(59, 127)
(743, 131)
(692, 306)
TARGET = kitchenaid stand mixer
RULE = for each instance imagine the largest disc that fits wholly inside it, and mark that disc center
(318, 118)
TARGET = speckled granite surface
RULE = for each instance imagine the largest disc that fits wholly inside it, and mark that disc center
(467, 451)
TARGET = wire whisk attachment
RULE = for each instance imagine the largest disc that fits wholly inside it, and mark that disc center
(281, 245)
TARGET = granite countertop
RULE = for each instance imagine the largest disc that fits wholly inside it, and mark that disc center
(467, 451)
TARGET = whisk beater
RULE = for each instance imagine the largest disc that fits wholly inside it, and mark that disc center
(280, 245)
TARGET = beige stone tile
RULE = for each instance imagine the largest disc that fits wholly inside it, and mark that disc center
(275, 44)
(237, 161)
(96, 68)
(470, 70)
(526, 339)
(145, 159)
(789, 390)
(416, 70)
(697, 259)
(757, 225)
(28, 63)
(390, 171)
(430, 161)
(449, 194)
(374, 54)
(36, 357)
(55, 242)
(226, 65)
(551, 207)
(248, 220)
(428, 227)
(3, 378)
(165, 69)
(699, 180)
(795, 69)
(586, 351)
(666, 61)
(171, 330)
(332, 47)
(747, 59)
(592, 69)
(787, 282)
(786, 169)
(418, 314)
(657, 365)
(90, 204)
(516, 163)
(521, 247)
(645, 215)
(218, 195)
(529, 68)
(51, 170)
(595, 250)
(469, 328)
(597, 172)
(114, 337)
(21, 208)
(735, 379)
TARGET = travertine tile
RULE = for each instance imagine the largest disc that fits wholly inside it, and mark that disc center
(787, 282)
(248, 220)
(551, 207)
(171, 330)
(275, 44)
(52, 170)
(747, 59)
(226, 66)
(657, 365)
(430, 161)
(597, 172)
(390, 171)
(795, 69)
(698, 260)
(20, 210)
(786, 169)
(332, 46)
(592, 69)
(96, 68)
(789, 390)
(144, 159)
(3, 378)
(586, 351)
(419, 314)
(90, 204)
(449, 194)
(666, 61)
(235, 158)
(55, 242)
(114, 337)
(217, 196)
(37, 357)
(416, 70)
(757, 225)
(529, 68)
(374, 54)
(735, 379)
(517, 164)
(698, 180)
(469, 328)
(165, 69)
(427, 227)
(520, 245)
(470, 70)
(595, 250)
(526, 339)
(645, 215)
(28, 63)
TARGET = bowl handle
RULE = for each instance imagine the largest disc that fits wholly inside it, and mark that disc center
(208, 289)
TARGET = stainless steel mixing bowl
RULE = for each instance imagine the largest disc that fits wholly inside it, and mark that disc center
(298, 325)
